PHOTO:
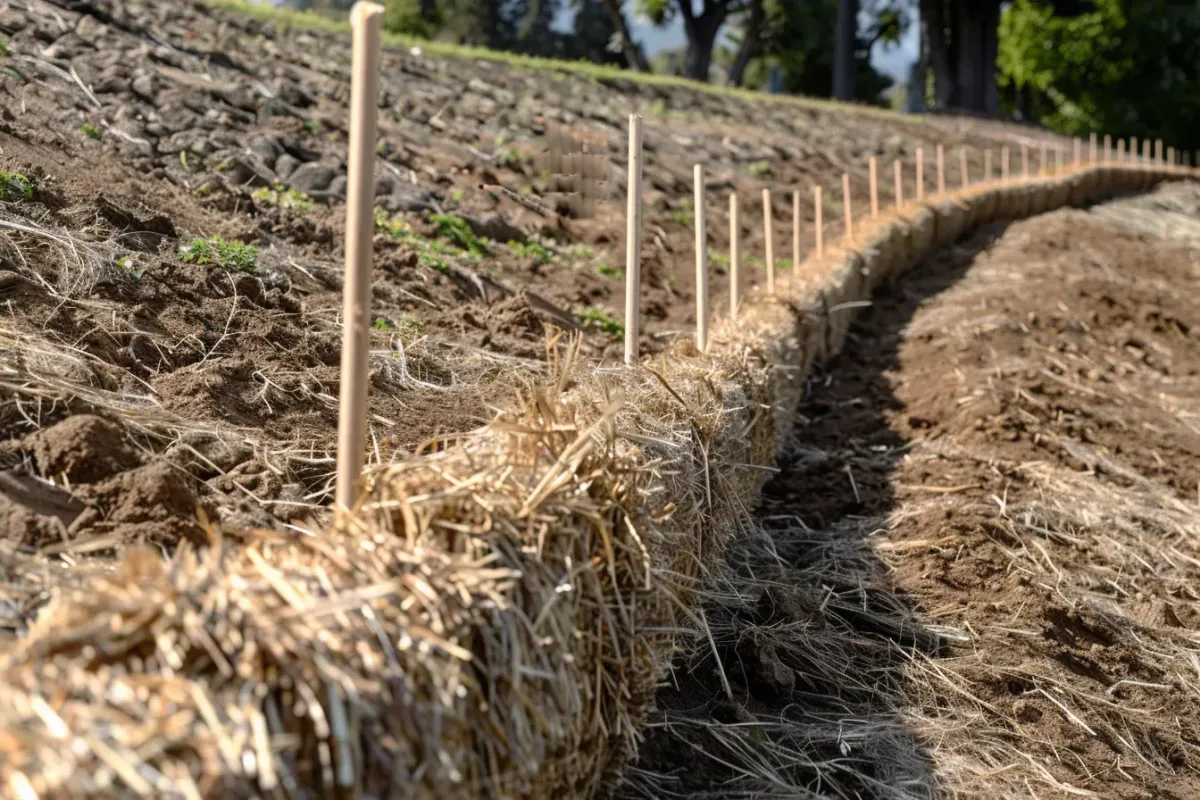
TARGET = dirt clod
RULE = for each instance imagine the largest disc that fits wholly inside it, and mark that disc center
(83, 448)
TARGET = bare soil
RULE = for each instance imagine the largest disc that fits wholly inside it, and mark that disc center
(975, 575)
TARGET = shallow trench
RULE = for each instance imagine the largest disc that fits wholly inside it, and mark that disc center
(973, 574)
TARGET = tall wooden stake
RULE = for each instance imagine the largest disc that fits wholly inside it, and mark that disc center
(1107, 148)
(795, 235)
(898, 168)
(1158, 150)
(735, 267)
(1078, 143)
(1146, 145)
(1025, 161)
(365, 22)
(941, 170)
(846, 206)
(1004, 153)
(874, 188)
(1120, 150)
(920, 174)
(702, 311)
(1092, 149)
(1170, 156)
(1058, 159)
(769, 235)
(1043, 160)
(962, 168)
(633, 243)
(1133, 148)
(819, 226)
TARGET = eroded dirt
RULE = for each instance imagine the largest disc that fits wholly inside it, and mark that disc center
(978, 567)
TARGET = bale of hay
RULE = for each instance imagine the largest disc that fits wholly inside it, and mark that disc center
(951, 221)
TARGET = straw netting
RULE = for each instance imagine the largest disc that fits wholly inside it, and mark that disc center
(496, 619)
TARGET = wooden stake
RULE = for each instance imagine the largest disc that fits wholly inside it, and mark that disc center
(735, 268)
(898, 168)
(1133, 148)
(1170, 156)
(818, 213)
(795, 235)
(770, 237)
(1120, 150)
(987, 165)
(1078, 151)
(874, 188)
(1158, 150)
(1004, 164)
(1092, 149)
(962, 168)
(1146, 145)
(365, 21)
(702, 311)
(1107, 148)
(1043, 160)
(846, 206)
(633, 243)
(920, 174)
(1058, 159)
(1025, 161)
(941, 170)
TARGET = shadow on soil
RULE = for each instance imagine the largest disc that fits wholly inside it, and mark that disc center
(808, 697)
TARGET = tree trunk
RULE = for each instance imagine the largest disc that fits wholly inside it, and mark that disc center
(749, 47)
(633, 56)
(845, 40)
(963, 40)
(701, 38)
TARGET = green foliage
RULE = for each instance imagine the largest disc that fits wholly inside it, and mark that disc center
(3, 48)
(609, 271)
(581, 251)
(92, 132)
(15, 186)
(283, 198)
(392, 226)
(1119, 66)
(130, 267)
(312, 126)
(595, 318)
(459, 233)
(534, 250)
(232, 255)
(684, 215)
(761, 169)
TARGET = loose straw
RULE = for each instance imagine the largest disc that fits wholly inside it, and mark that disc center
(735, 269)
(770, 237)
(898, 168)
(941, 169)
(874, 188)
(819, 226)
(365, 22)
(962, 168)
(633, 242)
(920, 174)
(846, 206)
(702, 312)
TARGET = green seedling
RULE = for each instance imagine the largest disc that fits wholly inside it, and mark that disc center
(594, 317)
(581, 251)
(283, 198)
(131, 268)
(312, 126)
(609, 271)
(534, 250)
(15, 186)
(233, 255)
(459, 233)
(761, 169)
(92, 132)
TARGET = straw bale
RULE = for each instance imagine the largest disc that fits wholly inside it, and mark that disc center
(495, 621)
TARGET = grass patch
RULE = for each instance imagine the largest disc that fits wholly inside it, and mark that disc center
(609, 271)
(458, 232)
(92, 132)
(283, 198)
(718, 258)
(595, 318)
(15, 186)
(534, 250)
(233, 255)
(3, 48)
(761, 169)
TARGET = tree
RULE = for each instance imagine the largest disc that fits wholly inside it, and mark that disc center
(700, 28)
(963, 41)
(1125, 67)
(845, 40)
(749, 45)
(634, 58)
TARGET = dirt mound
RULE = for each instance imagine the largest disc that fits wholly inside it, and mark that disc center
(973, 575)
(83, 449)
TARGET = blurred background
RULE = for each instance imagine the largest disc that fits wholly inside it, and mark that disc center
(1123, 67)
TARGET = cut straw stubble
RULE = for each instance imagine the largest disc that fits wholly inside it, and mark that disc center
(366, 22)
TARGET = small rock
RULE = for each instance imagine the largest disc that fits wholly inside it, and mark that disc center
(265, 148)
(285, 165)
(312, 178)
(143, 87)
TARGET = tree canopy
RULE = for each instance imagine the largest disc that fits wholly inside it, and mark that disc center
(1125, 67)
